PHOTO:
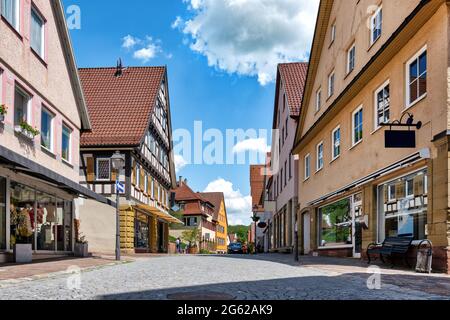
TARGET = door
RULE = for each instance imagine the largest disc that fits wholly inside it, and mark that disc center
(306, 233)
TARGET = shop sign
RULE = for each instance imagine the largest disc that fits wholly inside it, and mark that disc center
(399, 139)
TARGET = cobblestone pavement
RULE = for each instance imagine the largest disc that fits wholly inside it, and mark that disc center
(244, 277)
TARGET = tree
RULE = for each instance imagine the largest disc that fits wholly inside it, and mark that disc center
(241, 231)
(191, 236)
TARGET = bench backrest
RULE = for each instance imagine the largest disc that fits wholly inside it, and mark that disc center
(397, 244)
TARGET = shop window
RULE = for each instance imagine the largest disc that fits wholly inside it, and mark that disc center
(403, 208)
(22, 222)
(2, 213)
(47, 129)
(336, 224)
(37, 33)
(104, 170)
(47, 225)
(416, 73)
(64, 225)
(142, 232)
(10, 11)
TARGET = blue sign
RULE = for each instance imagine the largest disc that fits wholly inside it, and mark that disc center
(120, 187)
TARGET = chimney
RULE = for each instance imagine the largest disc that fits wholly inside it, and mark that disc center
(180, 180)
(185, 181)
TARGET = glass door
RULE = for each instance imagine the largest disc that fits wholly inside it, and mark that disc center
(357, 224)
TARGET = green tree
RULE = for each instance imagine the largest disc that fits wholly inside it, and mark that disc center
(192, 236)
(241, 231)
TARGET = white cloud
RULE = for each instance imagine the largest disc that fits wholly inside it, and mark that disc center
(144, 49)
(239, 207)
(256, 145)
(177, 23)
(129, 41)
(180, 163)
(250, 37)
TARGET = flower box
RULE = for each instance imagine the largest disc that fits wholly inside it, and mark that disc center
(27, 134)
(23, 253)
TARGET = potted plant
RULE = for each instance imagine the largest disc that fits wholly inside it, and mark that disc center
(3, 112)
(27, 130)
(81, 247)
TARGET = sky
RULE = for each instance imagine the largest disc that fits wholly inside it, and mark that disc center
(222, 58)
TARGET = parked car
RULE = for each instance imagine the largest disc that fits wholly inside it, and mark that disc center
(235, 247)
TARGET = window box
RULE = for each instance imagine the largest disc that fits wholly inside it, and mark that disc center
(26, 130)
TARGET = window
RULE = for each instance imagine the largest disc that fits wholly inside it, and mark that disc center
(104, 169)
(307, 166)
(319, 157)
(285, 173)
(284, 102)
(416, 77)
(336, 138)
(47, 129)
(290, 166)
(335, 222)
(357, 131)
(10, 11)
(66, 143)
(333, 33)
(382, 105)
(331, 84)
(145, 183)
(351, 58)
(287, 126)
(22, 107)
(376, 23)
(138, 176)
(281, 182)
(403, 209)
(318, 99)
(37, 33)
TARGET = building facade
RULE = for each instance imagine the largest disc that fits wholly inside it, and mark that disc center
(220, 218)
(197, 212)
(281, 190)
(42, 112)
(256, 234)
(372, 63)
(130, 111)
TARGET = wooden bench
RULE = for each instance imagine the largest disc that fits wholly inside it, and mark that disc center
(392, 246)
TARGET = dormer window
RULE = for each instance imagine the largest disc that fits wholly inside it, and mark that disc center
(376, 25)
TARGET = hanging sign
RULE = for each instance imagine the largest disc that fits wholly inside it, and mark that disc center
(398, 139)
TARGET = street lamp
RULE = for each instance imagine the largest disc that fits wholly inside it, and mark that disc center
(255, 219)
(118, 163)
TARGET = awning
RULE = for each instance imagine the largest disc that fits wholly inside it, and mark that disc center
(158, 213)
(17, 162)
(418, 156)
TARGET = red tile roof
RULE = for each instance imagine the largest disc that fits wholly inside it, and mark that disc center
(257, 185)
(293, 76)
(216, 198)
(119, 107)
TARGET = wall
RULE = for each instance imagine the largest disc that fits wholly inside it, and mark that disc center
(98, 225)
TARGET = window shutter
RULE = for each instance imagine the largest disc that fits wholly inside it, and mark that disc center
(141, 180)
(418, 186)
(90, 174)
(133, 173)
(149, 185)
(113, 174)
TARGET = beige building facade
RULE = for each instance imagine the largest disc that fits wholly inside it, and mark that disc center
(371, 63)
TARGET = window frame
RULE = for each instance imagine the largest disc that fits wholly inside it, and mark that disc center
(70, 131)
(372, 24)
(16, 26)
(52, 129)
(29, 97)
(415, 58)
(97, 160)
(334, 156)
(377, 91)
(307, 166)
(333, 33)
(349, 51)
(357, 110)
(318, 99)
(318, 158)
(39, 15)
(331, 83)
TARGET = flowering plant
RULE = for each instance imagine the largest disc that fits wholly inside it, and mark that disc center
(3, 109)
(26, 127)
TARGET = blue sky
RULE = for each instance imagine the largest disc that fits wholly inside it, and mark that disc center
(221, 57)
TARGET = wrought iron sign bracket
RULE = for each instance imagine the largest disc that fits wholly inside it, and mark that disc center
(401, 138)
(409, 122)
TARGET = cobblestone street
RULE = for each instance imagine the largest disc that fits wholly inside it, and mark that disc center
(242, 277)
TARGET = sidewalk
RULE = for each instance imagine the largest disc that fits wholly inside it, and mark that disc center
(48, 268)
